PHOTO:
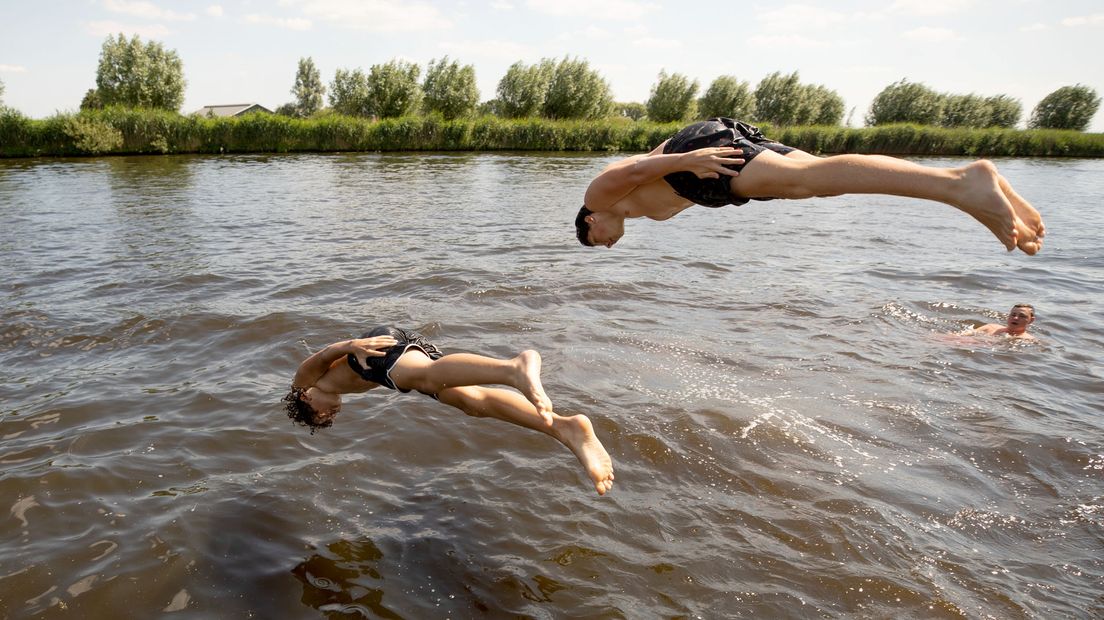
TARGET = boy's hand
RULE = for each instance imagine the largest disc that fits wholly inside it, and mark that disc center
(363, 348)
(709, 163)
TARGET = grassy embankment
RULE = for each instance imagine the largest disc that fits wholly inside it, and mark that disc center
(125, 131)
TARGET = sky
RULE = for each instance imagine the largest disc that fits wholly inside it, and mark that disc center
(247, 51)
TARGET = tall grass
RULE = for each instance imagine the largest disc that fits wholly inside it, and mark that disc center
(131, 131)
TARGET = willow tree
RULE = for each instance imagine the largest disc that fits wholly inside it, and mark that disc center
(1004, 111)
(577, 91)
(308, 89)
(778, 99)
(522, 91)
(1069, 107)
(393, 88)
(906, 102)
(672, 98)
(349, 93)
(727, 96)
(450, 88)
(139, 75)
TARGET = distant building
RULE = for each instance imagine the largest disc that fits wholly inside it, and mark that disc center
(234, 109)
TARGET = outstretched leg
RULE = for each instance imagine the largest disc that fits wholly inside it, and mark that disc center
(976, 188)
(415, 371)
(576, 432)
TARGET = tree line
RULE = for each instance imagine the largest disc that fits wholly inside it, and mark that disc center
(133, 73)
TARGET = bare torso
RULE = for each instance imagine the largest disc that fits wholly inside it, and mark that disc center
(341, 379)
(655, 200)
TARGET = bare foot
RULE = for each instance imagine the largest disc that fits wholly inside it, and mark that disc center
(577, 433)
(1025, 212)
(529, 382)
(985, 201)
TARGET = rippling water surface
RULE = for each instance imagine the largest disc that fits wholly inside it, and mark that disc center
(794, 433)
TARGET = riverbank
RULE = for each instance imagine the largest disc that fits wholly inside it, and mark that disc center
(128, 132)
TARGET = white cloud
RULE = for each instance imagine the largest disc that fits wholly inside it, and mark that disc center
(592, 33)
(1095, 18)
(12, 69)
(290, 23)
(374, 15)
(502, 6)
(214, 10)
(799, 17)
(930, 35)
(866, 69)
(491, 48)
(622, 10)
(657, 43)
(928, 8)
(146, 10)
(105, 28)
(1036, 27)
(785, 40)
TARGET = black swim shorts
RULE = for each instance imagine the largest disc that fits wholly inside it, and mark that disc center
(713, 133)
(379, 368)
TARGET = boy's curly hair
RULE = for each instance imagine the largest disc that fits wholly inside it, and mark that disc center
(300, 412)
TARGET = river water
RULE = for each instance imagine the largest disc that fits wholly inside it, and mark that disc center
(794, 433)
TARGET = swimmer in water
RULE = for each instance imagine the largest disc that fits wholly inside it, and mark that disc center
(1019, 318)
(721, 161)
(404, 360)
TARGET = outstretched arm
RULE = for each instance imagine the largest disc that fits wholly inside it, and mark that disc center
(622, 177)
(312, 368)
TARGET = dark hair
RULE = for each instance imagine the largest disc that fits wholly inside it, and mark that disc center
(1028, 306)
(582, 228)
(302, 413)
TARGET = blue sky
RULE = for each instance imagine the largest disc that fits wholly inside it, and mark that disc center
(237, 51)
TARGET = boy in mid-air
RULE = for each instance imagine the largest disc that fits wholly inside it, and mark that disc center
(404, 360)
(721, 162)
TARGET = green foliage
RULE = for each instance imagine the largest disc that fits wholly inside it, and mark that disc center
(308, 89)
(393, 89)
(1069, 107)
(349, 94)
(139, 75)
(450, 89)
(1004, 111)
(672, 98)
(965, 111)
(157, 131)
(522, 91)
(906, 102)
(729, 97)
(91, 100)
(92, 135)
(17, 135)
(778, 99)
(1, 93)
(577, 92)
(632, 109)
(492, 107)
(288, 109)
(819, 105)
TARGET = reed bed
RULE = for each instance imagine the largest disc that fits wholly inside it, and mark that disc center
(119, 131)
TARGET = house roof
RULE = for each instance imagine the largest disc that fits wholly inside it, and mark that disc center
(231, 109)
